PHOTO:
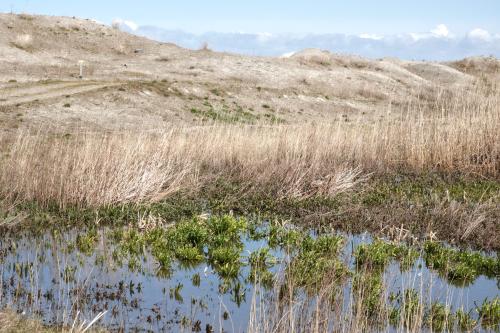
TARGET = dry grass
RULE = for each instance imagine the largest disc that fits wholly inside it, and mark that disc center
(25, 17)
(98, 170)
(332, 309)
(450, 133)
(11, 322)
(94, 169)
(321, 316)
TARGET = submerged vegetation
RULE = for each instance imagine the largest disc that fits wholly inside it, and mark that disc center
(245, 259)
(489, 312)
(318, 259)
(379, 254)
(459, 266)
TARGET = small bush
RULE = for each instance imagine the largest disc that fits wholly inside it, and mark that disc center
(26, 17)
(24, 42)
(115, 25)
(204, 47)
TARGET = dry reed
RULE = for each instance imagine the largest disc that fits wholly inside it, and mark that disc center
(455, 133)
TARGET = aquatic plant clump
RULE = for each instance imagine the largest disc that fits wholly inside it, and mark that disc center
(261, 261)
(369, 293)
(489, 312)
(439, 317)
(317, 260)
(457, 266)
(378, 254)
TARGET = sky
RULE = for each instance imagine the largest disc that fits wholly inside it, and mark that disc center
(298, 16)
(372, 19)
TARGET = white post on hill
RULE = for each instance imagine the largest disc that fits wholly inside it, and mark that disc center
(81, 63)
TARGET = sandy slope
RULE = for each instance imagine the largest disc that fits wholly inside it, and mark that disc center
(133, 82)
(23, 94)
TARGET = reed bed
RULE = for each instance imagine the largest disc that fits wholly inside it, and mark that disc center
(337, 309)
(451, 133)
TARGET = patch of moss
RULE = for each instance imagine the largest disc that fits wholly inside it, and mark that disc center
(427, 189)
(225, 114)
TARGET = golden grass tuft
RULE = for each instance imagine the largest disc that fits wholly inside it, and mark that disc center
(11, 322)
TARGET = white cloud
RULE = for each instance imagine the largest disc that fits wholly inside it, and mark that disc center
(128, 25)
(371, 36)
(437, 44)
(288, 54)
(418, 36)
(441, 31)
(480, 34)
(96, 21)
(264, 37)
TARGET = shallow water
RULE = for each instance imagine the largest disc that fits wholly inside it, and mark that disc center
(45, 275)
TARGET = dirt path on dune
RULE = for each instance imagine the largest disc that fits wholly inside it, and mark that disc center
(30, 92)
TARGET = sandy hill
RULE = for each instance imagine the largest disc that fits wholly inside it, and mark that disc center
(133, 82)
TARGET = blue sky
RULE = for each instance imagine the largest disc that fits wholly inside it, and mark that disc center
(417, 29)
(297, 16)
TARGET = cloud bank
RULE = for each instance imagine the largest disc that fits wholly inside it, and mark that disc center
(437, 44)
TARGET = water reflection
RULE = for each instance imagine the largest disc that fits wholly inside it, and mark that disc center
(55, 275)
